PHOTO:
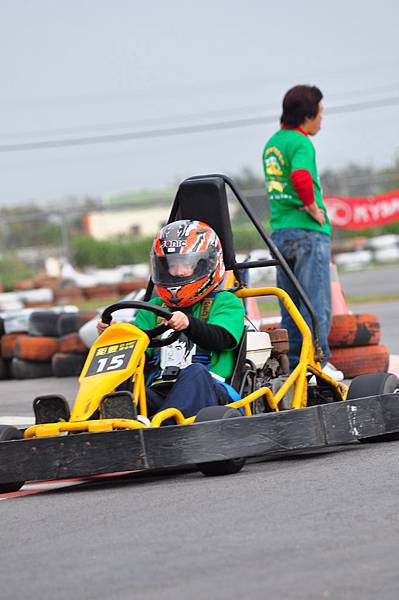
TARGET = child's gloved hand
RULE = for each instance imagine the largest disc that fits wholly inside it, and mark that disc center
(179, 321)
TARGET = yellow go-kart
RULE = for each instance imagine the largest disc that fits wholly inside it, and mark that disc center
(109, 429)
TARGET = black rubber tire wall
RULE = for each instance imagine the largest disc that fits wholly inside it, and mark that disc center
(67, 365)
(29, 369)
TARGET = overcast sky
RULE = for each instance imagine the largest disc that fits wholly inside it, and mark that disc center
(80, 69)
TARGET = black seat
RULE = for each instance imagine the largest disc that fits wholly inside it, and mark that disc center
(204, 198)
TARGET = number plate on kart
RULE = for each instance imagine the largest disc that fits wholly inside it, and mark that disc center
(111, 358)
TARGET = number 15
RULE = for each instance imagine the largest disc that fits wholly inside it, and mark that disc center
(110, 364)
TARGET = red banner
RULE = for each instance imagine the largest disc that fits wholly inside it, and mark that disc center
(360, 213)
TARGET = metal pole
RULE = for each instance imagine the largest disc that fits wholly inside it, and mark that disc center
(66, 248)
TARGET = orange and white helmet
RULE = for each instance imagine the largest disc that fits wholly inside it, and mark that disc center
(186, 262)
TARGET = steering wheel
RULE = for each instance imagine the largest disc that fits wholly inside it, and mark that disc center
(106, 317)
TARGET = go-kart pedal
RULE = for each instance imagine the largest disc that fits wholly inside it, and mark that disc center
(51, 408)
(118, 405)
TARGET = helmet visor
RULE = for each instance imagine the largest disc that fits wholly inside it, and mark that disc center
(179, 269)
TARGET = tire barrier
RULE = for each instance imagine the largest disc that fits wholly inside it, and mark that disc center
(30, 339)
(38, 304)
(71, 344)
(67, 365)
(125, 287)
(354, 330)
(70, 294)
(28, 347)
(72, 322)
(360, 360)
(100, 291)
(29, 369)
(354, 341)
(43, 323)
(29, 353)
(8, 343)
(4, 368)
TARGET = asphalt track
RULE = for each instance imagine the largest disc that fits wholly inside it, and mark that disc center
(378, 280)
(308, 527)
(315, 527)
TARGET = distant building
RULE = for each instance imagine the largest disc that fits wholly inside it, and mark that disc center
(109, 224)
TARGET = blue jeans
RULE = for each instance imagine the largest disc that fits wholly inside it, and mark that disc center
(194, 389)
(308, 254)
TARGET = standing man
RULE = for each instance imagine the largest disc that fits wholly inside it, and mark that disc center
(301, 228)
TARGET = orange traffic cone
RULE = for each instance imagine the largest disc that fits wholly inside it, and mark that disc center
(253, 311)
(338, 302)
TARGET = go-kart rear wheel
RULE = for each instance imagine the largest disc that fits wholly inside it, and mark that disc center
(220, 467)
(7, 432)
(374, 384)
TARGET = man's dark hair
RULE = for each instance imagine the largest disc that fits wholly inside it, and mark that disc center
(300, 102)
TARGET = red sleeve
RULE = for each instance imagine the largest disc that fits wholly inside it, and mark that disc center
(303, 185)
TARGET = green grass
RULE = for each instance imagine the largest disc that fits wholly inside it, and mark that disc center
(271, 306)
(366, 298)
(96, 303)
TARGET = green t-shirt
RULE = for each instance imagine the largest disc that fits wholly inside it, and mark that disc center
(226, 311)
(285, 152)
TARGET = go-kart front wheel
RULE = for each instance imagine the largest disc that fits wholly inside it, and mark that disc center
(7, 433)
(220, 467)
(374, 384)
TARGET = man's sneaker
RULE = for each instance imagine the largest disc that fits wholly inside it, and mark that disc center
(333, 372)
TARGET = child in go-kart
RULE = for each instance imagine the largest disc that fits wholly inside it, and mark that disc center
(187, 270)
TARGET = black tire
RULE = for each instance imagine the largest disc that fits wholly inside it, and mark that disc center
(29, 369)
(374, 384)
(7, 433)
(43, 323)
(67, 365)
(72, 322)
(4, 368)
(221, 467)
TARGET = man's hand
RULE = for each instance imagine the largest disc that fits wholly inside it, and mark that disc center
(315, 212)
(101, 326)
(179, 321)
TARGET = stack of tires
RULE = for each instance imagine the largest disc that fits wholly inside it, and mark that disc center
(47, 343)
(68, 361)
(354, 341)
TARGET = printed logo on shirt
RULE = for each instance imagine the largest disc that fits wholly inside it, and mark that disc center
(274, 170)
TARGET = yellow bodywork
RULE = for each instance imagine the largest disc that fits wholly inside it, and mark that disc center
(93, 387)
(119, 354)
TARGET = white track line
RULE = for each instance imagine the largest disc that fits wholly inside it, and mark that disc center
(17, 420)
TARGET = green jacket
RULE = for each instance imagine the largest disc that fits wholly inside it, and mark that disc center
(226, 311)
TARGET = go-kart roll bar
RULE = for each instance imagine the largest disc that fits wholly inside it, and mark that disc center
(279, 258)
